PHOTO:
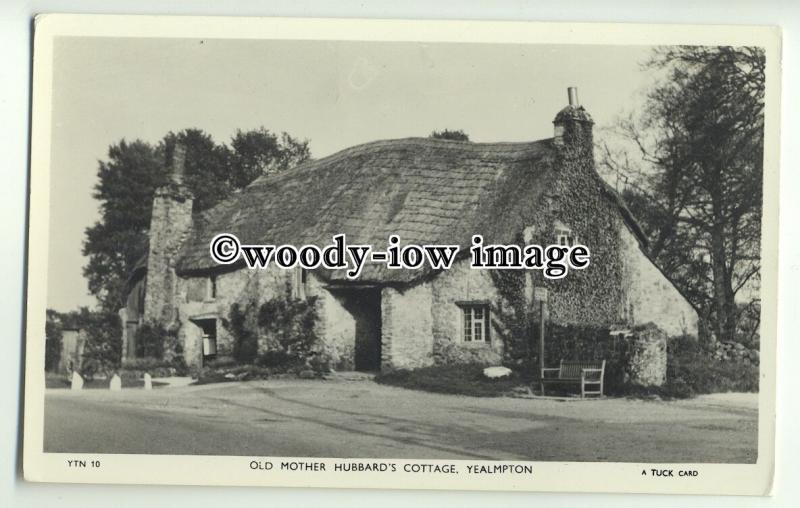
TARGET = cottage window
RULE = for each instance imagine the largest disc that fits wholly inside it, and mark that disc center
(211, 288)
(299, 283)
(476, 323)
(208, 336)
(565, 237)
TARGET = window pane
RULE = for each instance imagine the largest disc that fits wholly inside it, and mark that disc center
(478, 330)
(467, 325)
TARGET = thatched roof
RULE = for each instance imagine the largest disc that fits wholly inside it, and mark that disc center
(425, 190)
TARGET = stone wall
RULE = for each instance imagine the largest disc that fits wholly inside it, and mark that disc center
(169, 226)
(649, 296)
(407, 327)
(239, 286)
(733, 352)
(463, 284)
(648, 357)
(336, 326)
(71, 357)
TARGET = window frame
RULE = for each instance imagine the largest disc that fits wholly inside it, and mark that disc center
(565, 238)
(300, 283)
(211, 288)
(468, 320)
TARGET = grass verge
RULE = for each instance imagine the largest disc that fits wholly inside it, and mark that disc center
(464, 379)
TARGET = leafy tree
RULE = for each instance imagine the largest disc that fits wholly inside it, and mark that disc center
(133, 171)
(53, 331)
(206, 171)
(102, 352)
(256, 152)
(701, 138)
(125, 187)
(242, 323)
(454, 135)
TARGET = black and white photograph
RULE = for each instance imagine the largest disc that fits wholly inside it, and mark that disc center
(452, 258)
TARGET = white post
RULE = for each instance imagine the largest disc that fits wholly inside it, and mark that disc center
(77, 381)
(148, 381)
(116, 383)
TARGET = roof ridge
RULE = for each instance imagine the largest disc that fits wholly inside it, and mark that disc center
(369, 146)
(363, 148)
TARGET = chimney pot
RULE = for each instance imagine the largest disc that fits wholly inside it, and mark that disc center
(572, 121)
(572, 94)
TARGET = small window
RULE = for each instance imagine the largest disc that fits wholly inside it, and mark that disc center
(564, 235)
(209, 337)
(211, 288)
(565, 238)
(299, 283)
(476, 323)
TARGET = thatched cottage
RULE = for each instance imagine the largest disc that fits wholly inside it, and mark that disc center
(428, 191)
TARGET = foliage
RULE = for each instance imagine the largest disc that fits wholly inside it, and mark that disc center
(461, 379)
(53, 332)
(156, 367)
(692, 370)
(280, 334)
(257, 152)
(128, 178)
(289, 326)
(697, 184)
(586, 342)
(747, 326)
(149, 340)
(215, 374)
(447, 351)
(125, 187)
(454, 135)
(156, 342)
(517, 314)
(243, 326)
(102, 351)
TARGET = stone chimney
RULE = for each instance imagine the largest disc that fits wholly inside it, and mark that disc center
(178, 163)
(573, 125)
(170, 225)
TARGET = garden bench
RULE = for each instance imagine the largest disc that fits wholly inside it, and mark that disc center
(579, 372)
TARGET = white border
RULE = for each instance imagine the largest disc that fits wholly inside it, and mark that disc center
(548, 476)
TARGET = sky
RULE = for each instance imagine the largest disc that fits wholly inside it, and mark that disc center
(336, 94)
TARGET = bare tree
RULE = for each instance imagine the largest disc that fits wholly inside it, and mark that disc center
(701, 137)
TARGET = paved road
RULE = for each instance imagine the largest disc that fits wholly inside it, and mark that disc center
(362, 419)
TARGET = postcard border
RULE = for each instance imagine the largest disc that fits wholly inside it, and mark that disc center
(753, 479)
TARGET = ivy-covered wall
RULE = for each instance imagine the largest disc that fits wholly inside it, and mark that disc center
(593, 296)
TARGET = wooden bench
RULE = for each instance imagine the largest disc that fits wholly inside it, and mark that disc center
(578, 372)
